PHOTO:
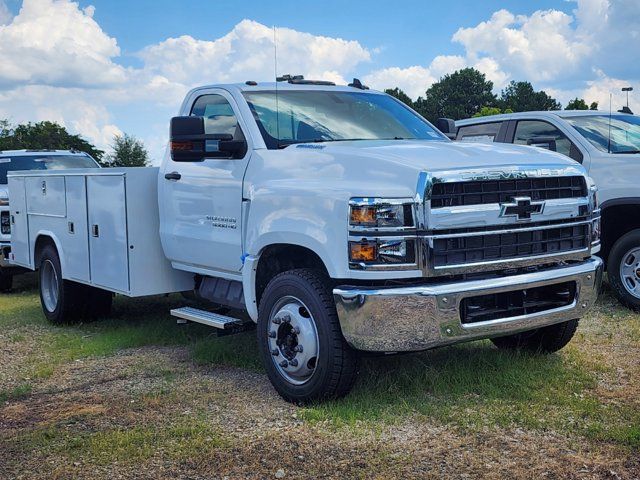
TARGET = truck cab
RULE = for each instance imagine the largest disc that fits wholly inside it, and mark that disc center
(608, 146)
(334, 219)
(11, 160)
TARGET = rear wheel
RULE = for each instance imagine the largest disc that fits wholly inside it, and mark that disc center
(542, 340)
(623, 267)
(299, 336)
(62, 301)
(6, 281)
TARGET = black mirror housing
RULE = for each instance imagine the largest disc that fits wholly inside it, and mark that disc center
(447, 126)
(189, 143)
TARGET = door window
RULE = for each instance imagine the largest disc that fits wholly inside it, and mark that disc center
(218, 116)
(484, 132)
(528, 131)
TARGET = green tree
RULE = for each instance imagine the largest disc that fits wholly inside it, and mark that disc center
(400, 95)
(577, 104)
(521, 97)
(127, 151)
(486, 111)
(458, 95)
(43, 135)
(593, 106)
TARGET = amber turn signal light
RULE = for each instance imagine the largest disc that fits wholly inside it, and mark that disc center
(177, 146)
(362, 252)
(363, 215)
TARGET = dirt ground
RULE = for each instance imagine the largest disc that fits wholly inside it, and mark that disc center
(153, 412)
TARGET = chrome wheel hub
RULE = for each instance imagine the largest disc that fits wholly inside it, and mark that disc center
(293, 340)
(50, 286)
(630, 271)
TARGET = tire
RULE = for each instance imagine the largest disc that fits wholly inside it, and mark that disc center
(297, 310)
(62, 301)
(542, 340)
(6, 281)
(623, 269)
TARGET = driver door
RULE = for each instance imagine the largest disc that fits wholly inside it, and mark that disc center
(203, 199)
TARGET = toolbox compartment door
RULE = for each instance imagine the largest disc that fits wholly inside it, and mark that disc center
(108, 243)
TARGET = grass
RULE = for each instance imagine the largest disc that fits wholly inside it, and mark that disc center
(472, 387)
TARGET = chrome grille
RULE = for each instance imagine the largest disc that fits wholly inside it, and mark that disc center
(494, 246)
(482, 192)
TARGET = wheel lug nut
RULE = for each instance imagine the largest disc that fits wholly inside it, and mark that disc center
(275, 352)
(284, 364)
(272, 334)
(277, 320)
(286, 319)
(296, 330)
(297, 348)
(293, 363)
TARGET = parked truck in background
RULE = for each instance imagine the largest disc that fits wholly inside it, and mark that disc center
(28, 160)
(335, 218)
(608, 146)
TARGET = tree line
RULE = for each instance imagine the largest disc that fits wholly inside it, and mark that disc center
(126, 150)
(467, 93)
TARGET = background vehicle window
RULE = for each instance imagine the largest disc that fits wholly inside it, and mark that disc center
(485, 132)
(43, 162)
(218, 115)
(530, 129)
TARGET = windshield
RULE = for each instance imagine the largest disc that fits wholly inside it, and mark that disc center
(322, 116)
(625, 132)
(43, 162)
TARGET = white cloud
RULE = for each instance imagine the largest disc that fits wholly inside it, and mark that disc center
(55, 43)
(247, 53)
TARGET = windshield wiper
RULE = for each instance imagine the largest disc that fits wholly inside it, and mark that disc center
(628, 151)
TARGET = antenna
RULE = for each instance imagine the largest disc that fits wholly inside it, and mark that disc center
(609, 142)
(275, 71)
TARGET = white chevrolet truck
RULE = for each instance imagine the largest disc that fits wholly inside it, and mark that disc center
(335, 218)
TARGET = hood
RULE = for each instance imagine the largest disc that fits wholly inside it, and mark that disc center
(393, 167)
(434, 155)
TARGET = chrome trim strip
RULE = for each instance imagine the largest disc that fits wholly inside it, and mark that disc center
(509, 230)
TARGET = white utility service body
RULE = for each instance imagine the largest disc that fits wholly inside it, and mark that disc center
(104, 223)
(337, 218)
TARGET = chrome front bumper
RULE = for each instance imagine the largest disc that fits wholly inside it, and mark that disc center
(412, 318)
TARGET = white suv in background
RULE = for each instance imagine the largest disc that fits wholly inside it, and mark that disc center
(608, 146)
(28, 160)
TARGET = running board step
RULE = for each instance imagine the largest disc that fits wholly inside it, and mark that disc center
(208, 318)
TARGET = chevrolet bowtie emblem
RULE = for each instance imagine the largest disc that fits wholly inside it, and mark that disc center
(521, 207)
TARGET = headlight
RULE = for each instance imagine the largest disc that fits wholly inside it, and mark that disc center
(380, 213)
(382, 252)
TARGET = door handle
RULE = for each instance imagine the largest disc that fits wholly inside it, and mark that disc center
(172, 176)
(95, 231)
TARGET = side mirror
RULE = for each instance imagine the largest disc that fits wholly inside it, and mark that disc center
(189, 142)
(447, 126)
(543, 142)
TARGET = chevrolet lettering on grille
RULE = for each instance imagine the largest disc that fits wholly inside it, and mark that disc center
(521, 207)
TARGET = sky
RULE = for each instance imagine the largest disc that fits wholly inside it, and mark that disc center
(106, 67)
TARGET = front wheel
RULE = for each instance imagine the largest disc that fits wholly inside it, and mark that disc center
(299, 337)
(623, 268)
(541, 340)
